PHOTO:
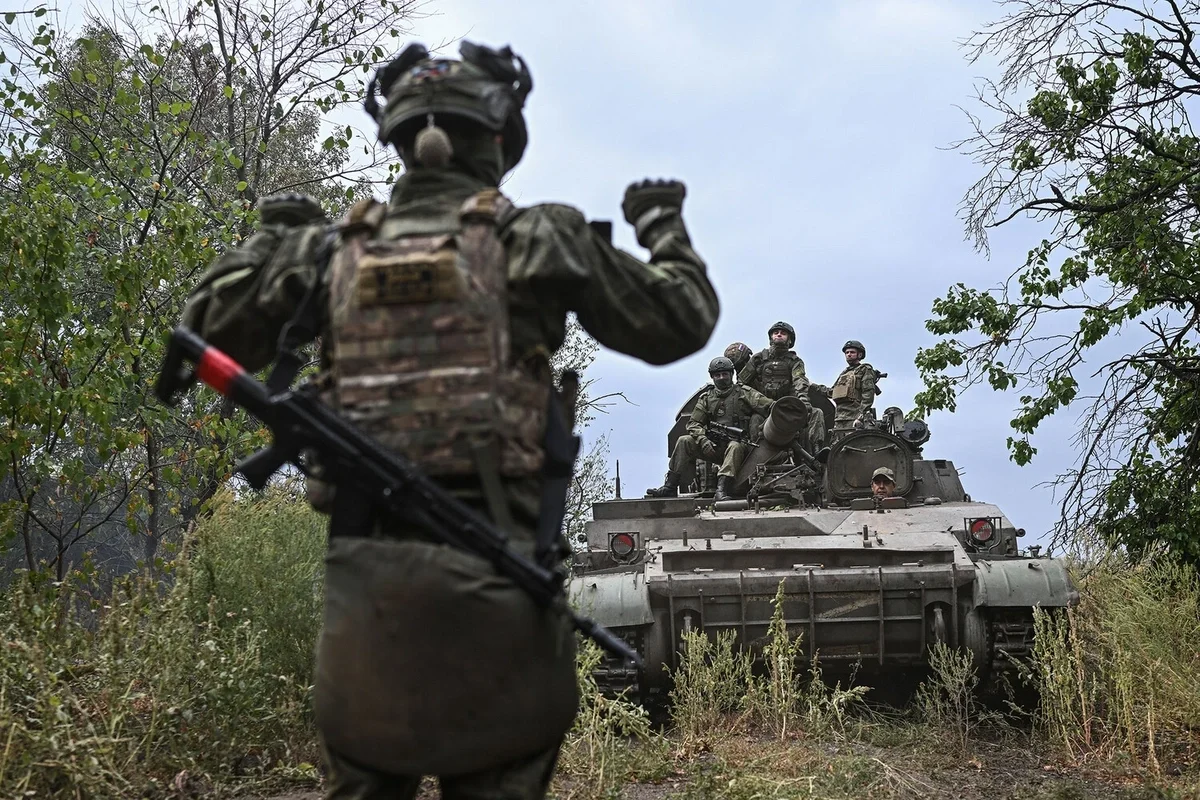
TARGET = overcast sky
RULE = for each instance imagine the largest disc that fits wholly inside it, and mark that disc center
(814, 139)
(815, 142)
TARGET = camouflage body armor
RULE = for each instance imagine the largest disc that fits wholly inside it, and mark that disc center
(773, 373)
(420, 344)
(852, 393)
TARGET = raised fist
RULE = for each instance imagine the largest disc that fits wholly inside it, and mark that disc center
(644, 195)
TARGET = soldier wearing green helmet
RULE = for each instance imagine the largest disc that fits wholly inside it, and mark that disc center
(777, 372)
(438, 313)
(855, 389)
(725, 403)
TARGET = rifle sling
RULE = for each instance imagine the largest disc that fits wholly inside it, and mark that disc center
(561, 449)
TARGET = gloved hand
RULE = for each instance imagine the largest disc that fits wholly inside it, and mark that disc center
(644, 195)
(708, 449)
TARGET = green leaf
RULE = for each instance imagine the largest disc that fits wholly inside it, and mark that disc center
(228, 92)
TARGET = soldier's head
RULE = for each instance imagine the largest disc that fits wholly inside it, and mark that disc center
(720, 370)
(854, 351)
(781, 335)
(883, 482)
(739, 353)
(465, 115)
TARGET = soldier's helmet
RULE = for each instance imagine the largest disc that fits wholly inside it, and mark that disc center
(720, 364)
(739, 353)
(857, 345)
(783, 326)
(884, 472)
(488, 88)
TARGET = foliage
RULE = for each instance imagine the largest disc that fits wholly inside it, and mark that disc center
(132, 155)
(1117, 674)
(590, 482)
(611, 742)
(1093, 139)
(112, 694)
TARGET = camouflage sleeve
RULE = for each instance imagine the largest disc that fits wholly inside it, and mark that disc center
(749, 373)
(249, 293)
(867, 388)
(759, 403)
(800, 381)
(658, 312)
(699, 419)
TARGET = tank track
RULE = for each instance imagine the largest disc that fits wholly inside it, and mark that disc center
(1011, 642)
(613, 677)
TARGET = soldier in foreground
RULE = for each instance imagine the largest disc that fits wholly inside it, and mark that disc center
(437, 314)
(854, 390)
(726, 404)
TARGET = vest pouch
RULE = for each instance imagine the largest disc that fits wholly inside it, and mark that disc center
(840, 391)
(430, 663)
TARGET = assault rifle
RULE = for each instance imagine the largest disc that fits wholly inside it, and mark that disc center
(725, 433)
(300, 423)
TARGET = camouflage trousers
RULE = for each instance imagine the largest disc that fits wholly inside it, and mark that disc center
(845, 416)
(525, 779)
(687, 450)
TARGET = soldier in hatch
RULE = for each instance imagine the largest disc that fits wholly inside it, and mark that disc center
(854, 390)
(883, 483)
(777, 372)
(437, 316)
(727, 404)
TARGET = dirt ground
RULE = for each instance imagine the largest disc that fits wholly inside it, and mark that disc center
(754, 768)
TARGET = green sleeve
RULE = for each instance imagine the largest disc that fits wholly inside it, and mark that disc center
(749, 374)
(658, 312)
(867, 386)
(759, 403)
(246, 297)
(699, 419)
(800, 380)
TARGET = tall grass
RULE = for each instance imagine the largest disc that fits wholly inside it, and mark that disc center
(1119, 675)
(200, 680)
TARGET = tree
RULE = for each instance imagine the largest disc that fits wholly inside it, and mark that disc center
(590, 482)
(131, 157)
(1093, 140)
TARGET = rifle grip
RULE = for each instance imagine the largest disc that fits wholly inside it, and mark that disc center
(258, 468)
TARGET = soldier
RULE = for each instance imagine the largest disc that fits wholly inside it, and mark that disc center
(727, 404)
(739, 353)
(854, 390)
(883, 482)
(437, 316)
(777, 371)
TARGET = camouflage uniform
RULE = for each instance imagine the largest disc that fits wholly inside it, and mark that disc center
(854, 390)
(778, 372)
(430, 662)
(733, 406)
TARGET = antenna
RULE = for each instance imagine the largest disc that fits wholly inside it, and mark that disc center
(618, 486)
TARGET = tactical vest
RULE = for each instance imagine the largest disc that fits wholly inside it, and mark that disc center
(848, 386)
(775, 374)
(420, 344)
(726, 410)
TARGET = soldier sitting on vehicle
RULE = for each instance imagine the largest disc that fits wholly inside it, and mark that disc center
(883, 483)
(725, 405)
(777, 372)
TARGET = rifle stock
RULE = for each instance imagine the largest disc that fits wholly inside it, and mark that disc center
(299, 421)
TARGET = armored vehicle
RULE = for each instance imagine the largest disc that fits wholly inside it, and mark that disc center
(868, 581)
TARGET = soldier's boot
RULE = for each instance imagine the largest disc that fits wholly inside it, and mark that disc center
(670, 487)
(724, 488)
